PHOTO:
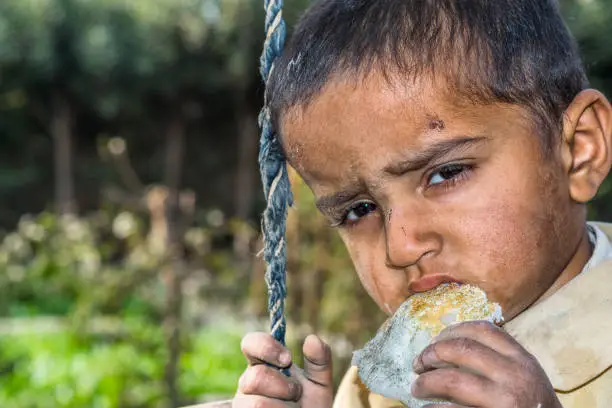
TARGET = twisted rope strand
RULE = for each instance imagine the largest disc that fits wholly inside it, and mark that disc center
(275, 180)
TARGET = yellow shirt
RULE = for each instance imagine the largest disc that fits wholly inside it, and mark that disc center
(570, 334)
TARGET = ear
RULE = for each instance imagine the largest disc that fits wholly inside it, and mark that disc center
(587, 143)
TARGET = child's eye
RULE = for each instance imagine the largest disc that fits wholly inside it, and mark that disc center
(451, 172)
(358, 211)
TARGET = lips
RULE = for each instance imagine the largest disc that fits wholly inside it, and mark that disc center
(430, 282)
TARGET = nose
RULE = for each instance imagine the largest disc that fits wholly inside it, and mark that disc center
(409, 239)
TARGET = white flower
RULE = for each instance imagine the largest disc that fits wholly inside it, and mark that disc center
(215, 218)
(75, 229)
(30, 229)
(140, 258)
(124, 225)
(16, 245)
(195, 237)
(89, 261)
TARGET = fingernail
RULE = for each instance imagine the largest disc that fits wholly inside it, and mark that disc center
(299, 391)
(284, 358)
(417, 364)
(293, 390)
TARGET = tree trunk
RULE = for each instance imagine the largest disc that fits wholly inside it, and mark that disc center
(174, 270)
(61, 132)
(247, 162)
(248, 130)
(246, 170)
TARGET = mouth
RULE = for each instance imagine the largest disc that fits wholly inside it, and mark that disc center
(430, 282)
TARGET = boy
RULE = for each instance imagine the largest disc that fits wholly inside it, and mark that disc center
(453, 140)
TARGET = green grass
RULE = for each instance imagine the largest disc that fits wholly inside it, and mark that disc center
(63, 370)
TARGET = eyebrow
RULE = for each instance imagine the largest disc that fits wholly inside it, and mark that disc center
(415, 161)
(326, 203)
(418, 160)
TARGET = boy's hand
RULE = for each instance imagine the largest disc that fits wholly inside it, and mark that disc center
(262, 386)
(477, 364)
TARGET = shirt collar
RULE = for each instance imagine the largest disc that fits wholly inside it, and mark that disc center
(570, 333)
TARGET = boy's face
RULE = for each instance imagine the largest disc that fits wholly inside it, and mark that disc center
(426, 190)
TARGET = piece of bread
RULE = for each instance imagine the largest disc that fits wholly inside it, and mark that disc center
(385, 363)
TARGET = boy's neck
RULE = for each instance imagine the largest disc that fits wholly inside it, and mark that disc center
(574, 267)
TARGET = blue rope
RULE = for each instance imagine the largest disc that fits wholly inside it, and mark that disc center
(275, 180)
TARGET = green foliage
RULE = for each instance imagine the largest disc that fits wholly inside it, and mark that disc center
(213, 364)
(100, 276)
(55, 264)
(57, 371)
(105, 263)
(67, 371)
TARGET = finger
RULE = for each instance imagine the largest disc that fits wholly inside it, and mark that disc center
(317, 361)
(453, 385)
(262, 348)
(486, 333)
(444, 405)
(252, 401)
(463, 353)
(269, 382)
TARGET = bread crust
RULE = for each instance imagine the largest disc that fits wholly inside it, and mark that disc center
(385, 363)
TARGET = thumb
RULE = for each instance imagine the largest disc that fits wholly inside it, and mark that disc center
(317, 361)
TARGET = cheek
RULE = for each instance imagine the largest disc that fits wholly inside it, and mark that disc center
(512, 243)
(387, 287)
(506, 237)
(367, 264)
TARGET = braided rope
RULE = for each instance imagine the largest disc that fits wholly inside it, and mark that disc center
(275, 180)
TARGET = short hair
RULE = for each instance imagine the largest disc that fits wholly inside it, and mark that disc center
(509, 51)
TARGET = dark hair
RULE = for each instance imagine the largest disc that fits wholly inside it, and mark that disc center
(510, 51)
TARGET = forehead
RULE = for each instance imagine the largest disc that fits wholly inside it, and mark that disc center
(360, 124)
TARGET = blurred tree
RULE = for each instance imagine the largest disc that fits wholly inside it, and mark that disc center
(136, 59)
(38, 60)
